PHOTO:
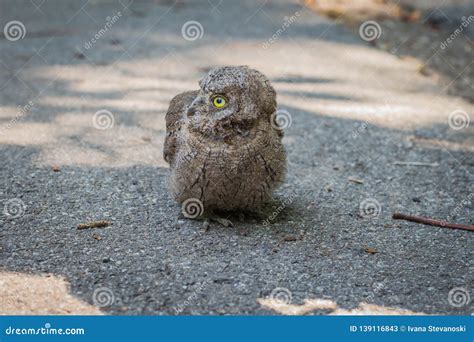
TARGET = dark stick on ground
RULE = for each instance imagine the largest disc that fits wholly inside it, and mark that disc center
(95, 224)
(431, 222)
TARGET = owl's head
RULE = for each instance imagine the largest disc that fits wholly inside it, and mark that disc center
(231, 100)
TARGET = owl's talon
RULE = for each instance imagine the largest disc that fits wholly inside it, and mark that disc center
(205, 224)
(223, 221)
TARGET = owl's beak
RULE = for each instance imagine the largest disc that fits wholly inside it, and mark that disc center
(193, 108)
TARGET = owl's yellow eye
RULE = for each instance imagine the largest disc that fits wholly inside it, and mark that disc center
(219, 101)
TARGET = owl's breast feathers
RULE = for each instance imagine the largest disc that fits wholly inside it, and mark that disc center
(228, 177)
(173, 118)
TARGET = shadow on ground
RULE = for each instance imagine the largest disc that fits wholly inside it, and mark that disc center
(318, 246)
(152, 260)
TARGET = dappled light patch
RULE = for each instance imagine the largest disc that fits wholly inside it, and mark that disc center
(312, 306)
(28, 294)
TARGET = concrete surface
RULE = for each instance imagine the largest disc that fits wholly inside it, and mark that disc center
(355, 112)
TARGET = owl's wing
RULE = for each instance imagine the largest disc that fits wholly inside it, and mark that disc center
(174, 115)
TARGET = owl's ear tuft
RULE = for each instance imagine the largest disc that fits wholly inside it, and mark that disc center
(268, 95)
(271, 93)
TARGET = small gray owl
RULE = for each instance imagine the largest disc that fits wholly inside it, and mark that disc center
(222, 144)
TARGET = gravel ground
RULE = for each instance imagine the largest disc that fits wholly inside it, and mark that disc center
(355, 111)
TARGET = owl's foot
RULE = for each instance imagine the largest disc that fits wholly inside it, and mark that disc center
(206, 224)
(207, 219)
(223, 221)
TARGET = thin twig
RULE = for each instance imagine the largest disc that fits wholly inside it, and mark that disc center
(432, 222)
(415, 163)
(95, 224)
(355, 180)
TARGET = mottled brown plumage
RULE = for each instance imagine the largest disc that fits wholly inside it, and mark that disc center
(228, 158)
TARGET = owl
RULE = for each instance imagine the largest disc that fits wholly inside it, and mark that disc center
(224, 149)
